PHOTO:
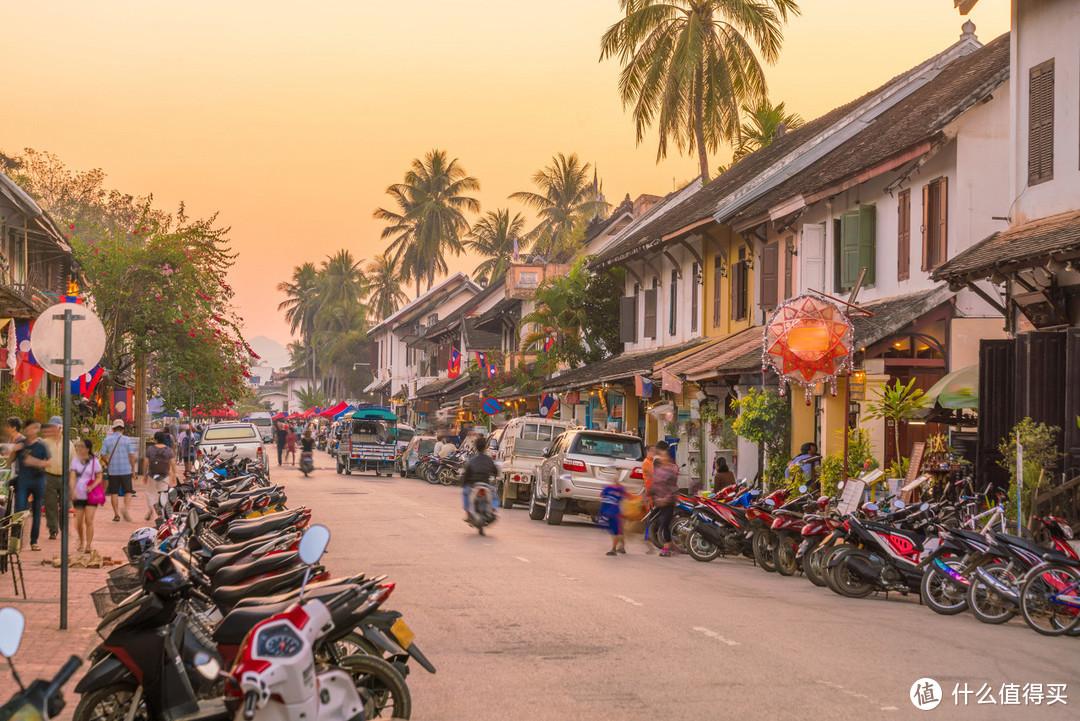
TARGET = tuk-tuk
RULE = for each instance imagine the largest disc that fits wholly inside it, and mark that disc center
(366, 439)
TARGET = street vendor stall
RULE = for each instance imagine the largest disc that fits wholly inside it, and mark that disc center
(366, 439)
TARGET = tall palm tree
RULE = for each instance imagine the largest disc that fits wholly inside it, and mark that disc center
(429, 218)
(763, 123)
(301, 299)
(341, 280)
(567, 201)
(498, 237)
(689, 65)
(385, 295)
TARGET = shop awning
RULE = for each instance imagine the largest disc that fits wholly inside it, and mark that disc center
(619, 367)
(334, 410)
(442, 386)
(959, 389)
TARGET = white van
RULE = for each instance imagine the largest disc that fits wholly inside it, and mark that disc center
(264, 421)
(519, 450)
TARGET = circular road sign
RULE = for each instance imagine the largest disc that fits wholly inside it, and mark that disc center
(87, 339)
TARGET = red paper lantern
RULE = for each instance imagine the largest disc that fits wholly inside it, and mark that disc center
(808, 340)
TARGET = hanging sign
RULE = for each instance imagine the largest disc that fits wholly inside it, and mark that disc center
(808, 341)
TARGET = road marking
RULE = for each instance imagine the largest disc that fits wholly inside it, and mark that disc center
(629, 600)
(889, 708)
(522, 559)
(567, 578)
(714, 635)
(855, 694)
(421, 514)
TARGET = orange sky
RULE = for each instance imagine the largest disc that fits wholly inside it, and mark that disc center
(292, 118)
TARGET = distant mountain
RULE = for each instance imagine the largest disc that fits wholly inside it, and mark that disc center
(272, 353)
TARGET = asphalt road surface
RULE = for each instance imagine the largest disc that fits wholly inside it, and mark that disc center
(534, 622)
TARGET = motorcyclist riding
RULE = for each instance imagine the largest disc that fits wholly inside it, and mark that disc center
(480, 468)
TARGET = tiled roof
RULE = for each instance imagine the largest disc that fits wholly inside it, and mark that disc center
(614, 368)
(454, 319)
(500, 308)
(717, 353)
(1023, 245)
(919, 117)
(892, 314)
(442, 386)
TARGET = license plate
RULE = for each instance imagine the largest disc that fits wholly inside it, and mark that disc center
(403, 633)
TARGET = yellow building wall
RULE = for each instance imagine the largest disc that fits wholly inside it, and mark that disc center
(802, 419)
(720, 240)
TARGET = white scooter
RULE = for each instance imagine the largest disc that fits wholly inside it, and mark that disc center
(275, 666)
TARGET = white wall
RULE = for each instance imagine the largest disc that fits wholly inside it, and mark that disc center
(660, 266)
(1044, 29)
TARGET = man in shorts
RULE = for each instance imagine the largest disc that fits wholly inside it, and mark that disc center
(119, 458)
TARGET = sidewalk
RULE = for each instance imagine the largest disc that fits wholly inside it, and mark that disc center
(44, 647)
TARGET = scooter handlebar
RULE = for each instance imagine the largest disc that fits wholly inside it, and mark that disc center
(64, 674)
(251, 701)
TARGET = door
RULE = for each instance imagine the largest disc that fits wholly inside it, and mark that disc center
(812, 258)
(996, 410)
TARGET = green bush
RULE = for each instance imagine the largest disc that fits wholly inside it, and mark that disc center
(1040, 443)
(765, 418)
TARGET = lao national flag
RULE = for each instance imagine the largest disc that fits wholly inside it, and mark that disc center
(122, 405)
(28, 373)
(549, 343)
(85, 384)
(453, 364)
(492, 370)
(643, 387)
(481, 360)
(549, 405)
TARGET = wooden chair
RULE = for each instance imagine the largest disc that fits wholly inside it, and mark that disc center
(11, 527)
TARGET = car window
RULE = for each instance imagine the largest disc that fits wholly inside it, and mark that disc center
(608, 446)
(404, 435)
(427, 446)
(556, 445)
(529, 431)
(230, 433)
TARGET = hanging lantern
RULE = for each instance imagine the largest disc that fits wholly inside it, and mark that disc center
(808, 340)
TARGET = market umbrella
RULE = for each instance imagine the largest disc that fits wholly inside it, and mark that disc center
(959, 389)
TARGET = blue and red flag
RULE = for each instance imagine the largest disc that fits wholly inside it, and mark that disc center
(122, 405)
(28, 373)
(549, 343)
(85, 384)
(453, 364)
(549, 405)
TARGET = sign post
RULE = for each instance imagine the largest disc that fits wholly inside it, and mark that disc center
(51, 341)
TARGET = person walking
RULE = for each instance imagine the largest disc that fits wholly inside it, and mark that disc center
(159, 472)
(281, 433)
(119, 461)
(87, 491)
(52, 435)
(290, 446)
(611, 499)
(186, 444)
(665, 486)
(31, 456)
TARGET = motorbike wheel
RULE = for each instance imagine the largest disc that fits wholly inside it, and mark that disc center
(811, 566)
(701, 548)
(446, 477)
(381, 687)
(1042, 615)
(431, 475)
(109, 703)
(942, 594)
(986, 605)
(826, 572)
(848, 582)
(680, 533)
(786, 563)
(763, 550)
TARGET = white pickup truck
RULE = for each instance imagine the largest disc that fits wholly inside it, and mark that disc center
(233, 440)
(521, 443)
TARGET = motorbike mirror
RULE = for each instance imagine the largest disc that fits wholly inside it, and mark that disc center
(207, 666)
(12, 623)
(770, 502)
(871, 506)
(840, 486)
(899, 505)
(802, 488)
(313, 544)
(924, 507)
(755, 492)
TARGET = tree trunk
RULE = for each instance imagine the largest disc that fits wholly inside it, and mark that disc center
(699, 124)
(139, 400)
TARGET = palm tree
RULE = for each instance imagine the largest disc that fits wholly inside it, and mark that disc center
(689, 65)
(499, 238)
(341, 280)
(301, 299)
(429, 219)
(567, 201)
(312, 397)
(763, 124)
(385, 295)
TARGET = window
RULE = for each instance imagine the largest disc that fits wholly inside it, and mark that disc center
(1041, 123)
(770, 275)
(650, 310)
(243, 432)
(695, 278)
(673, 303)
(856, 246)
(903, 234)
(740, 277)
(718, 273)
(935, 223)
(618, 447)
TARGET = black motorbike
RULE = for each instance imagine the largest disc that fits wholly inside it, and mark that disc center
(40, 700)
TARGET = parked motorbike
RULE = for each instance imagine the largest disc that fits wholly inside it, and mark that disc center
(41, 700)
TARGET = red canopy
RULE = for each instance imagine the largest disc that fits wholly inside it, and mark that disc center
(334, 410)
(199, 412)
(277, 416)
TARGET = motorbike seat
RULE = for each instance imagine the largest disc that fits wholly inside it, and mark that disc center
(227, 596)
(1023, 543)
(227, 548)
(271, 563)
(236, 624)
(223, 560)
(251, 527)
(291, 595)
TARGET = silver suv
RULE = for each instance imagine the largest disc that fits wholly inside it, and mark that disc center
(577, 466)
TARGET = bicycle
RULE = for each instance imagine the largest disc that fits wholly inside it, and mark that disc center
(1050, 597)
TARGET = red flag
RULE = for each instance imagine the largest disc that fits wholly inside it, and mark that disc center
(453, 365)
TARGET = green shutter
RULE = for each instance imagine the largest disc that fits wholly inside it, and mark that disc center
(867, 242)
(849, 249)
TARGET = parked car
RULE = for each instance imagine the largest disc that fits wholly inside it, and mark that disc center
(418, 447)
(233, 440)
(577, 466)
(519, 448)
(265, 423)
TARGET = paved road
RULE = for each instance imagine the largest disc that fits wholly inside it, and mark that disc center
(534, 622)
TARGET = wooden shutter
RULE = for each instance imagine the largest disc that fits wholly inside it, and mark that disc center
(628, 319)
(867, 242)
(789, 261)
(812, 257)
(849, 249)
(695, 272)
(673, 303)
(941, 244)
(925, 227)
(718, 270)
(903, 235)
(770, 275)
(1041, 123)
(650, 313)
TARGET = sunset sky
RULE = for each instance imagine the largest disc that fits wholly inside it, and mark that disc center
(292, 118)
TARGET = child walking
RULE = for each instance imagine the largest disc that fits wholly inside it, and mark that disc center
(611, 515)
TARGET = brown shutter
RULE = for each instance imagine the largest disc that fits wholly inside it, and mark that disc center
(650, 313)
(941, 248)
(903, 235)
(789, 261)
(1041, 123)
(628, 319)
(718, 266)
(770, 275)
(925, 227)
